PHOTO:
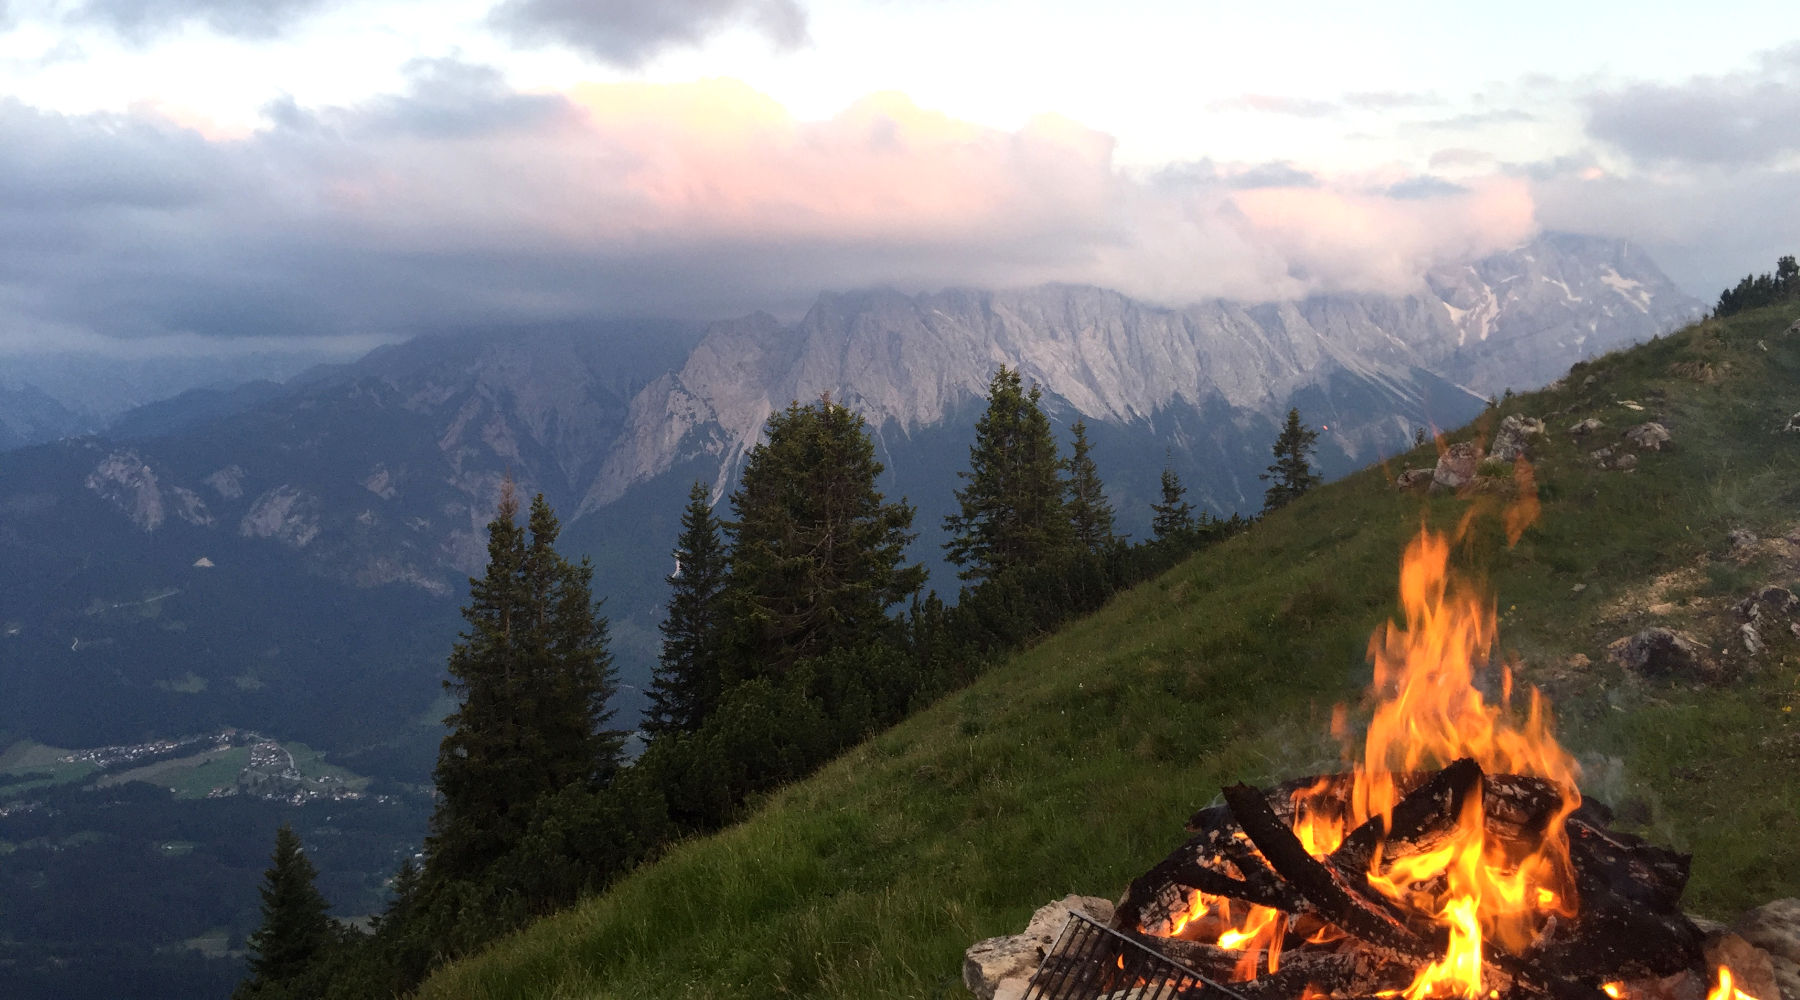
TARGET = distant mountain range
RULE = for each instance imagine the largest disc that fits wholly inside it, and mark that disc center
(380, 475)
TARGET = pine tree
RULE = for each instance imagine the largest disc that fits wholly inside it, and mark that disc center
(1090, 515)
(686, 685)
(532, 678)
(295, 931)
(1292, 474)
(816, 550)
(1012, 512)
(1174, 515)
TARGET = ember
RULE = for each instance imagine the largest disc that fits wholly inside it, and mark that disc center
(1454, 858)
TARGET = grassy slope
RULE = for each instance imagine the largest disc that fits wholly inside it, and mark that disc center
(1071, 767)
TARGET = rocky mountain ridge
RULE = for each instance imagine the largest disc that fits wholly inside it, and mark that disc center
(1513, 319)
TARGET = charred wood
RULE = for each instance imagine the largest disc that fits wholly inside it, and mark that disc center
(1330, 891)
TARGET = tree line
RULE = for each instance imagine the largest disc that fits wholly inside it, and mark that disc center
(793, 630)
(1757, 290)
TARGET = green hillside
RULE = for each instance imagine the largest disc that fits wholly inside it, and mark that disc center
(1071, 767)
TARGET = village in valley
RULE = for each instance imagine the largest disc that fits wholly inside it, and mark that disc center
(215, 765)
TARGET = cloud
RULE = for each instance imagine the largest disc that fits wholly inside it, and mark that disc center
(629, 32)
(460, 202)
(1706, 227)
(1389, 100)
(1424, 186)
(1271, 175)
(1481, 119)
(1744, 118)
(1270, 104)
(1457, 156)
(141, 20)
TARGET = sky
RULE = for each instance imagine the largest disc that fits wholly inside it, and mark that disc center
(192, 176)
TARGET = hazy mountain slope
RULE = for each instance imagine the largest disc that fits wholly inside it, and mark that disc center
(29, 416)
(1072, 767)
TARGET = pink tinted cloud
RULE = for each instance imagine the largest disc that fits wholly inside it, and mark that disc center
(1350, 240)
(713, 184)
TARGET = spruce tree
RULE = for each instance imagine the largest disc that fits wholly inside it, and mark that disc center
(1292, 474)
(532, 677)
(816, 550)
(1011, 510)
(1173, 515)
(295, 931)
(1090, 515)
(686, 685)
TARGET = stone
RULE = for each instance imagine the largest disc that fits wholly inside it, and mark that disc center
(1650, 437)
(1664, 654)
(1514, 433)
(1747, 635)
(1456, 466)
(1588, 426)
(1793, 329)
(1793, 424)
(1000, 967)
(1787, 976)
(1626, 462)
(1741, 540)
(1774, 927)
(1413, 478)
(1707, 926)
(1752, 971)
(1600, 455)
(1767, 603)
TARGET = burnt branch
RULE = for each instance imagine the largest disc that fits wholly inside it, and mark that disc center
(1330, 891)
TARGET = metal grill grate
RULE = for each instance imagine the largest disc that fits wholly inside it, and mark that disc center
(1091, 961)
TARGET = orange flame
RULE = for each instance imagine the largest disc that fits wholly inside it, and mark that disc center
(1726, 990)
(1432, 713)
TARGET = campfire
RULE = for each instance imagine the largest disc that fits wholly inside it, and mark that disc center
(1453, 857)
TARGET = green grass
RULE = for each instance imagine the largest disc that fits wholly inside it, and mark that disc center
(43, 766)
(190, 777)
(1071, 767)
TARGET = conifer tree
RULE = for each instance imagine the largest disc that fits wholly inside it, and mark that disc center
(1292, 474)
(295, 931)
(1090, 514)
(1012, 513)
(1173, 515)
(686, 685)
(816, 550)
(532, 677)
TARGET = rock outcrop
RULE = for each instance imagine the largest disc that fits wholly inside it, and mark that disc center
(999, 968)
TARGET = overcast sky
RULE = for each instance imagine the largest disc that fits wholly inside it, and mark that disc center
(191, 172)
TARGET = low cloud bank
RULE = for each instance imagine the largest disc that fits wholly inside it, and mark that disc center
(462, 202)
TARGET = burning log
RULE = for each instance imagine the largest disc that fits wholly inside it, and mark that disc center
(1427, 813)
(1629, 926)
(1329, 890)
